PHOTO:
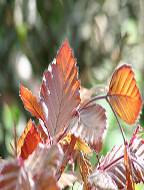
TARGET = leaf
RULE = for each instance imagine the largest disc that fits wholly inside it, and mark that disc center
(12, 176)
(113, 164)
(100, 180)
(44, 136)
(28, 141)
(67, 179)
(45, 159)
(129, 177)
(46, 182)
(80, 144)
(31, 103)
(124, 94)
(85, 170)
(60, 90)
(90, 125)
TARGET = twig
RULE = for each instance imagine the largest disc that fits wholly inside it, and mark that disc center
(95, 98)
(120, 127)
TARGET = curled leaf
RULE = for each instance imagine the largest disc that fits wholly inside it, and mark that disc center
(124, 94)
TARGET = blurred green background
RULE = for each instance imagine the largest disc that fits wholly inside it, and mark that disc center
(102, 33)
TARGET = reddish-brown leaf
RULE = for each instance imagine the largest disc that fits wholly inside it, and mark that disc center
(90, 125)
(28, 141)
(124, 94)
(46, 182)
(60, 90)
(31, 103)
(45, 159)
(101, 180)
(113, 165)
(12, 176)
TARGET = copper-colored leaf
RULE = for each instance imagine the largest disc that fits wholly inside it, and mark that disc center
(124, 94)
(60, 90)
(31, 103)
(42, 130)
(28, 141)
(90, 125)
(85, 170)
(46, 182)
(127, 163)
(79, 146)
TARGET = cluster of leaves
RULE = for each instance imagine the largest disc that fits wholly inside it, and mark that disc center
(70, 126)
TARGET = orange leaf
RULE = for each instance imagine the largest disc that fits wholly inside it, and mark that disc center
(60, 90)
(127, 163)
(80, 144)
(85, 170)
(124, 94)
(46, 182)
(31, 103)
(28, 140)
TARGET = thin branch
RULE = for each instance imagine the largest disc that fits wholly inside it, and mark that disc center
(95, 98)
(120, 127)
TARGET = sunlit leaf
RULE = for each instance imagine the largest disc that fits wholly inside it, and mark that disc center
(60, 90)
(67, 180)
(85, 170)
(80, 144)
(42, 133)
(28, 141)
(90, 125)
(127, 163)
(124, 94)
(31, 103)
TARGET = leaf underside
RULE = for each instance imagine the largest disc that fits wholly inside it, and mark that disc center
(90, 125)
